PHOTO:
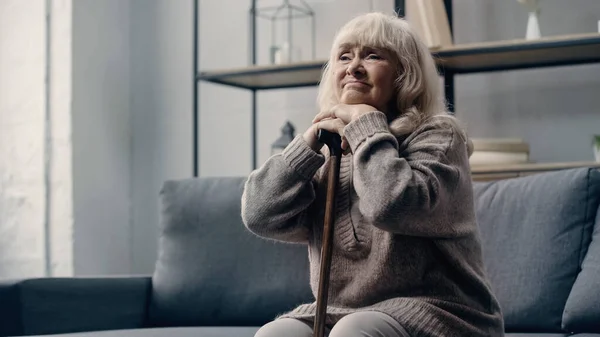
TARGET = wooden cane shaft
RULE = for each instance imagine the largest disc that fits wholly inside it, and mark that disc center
(327, 245)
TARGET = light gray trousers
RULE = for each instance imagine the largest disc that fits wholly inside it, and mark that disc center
(359, 324)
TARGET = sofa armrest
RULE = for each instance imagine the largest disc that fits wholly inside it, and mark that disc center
(60, 305)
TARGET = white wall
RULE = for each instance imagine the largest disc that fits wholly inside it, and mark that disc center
(35, 145)
(60, 152)
(120, 125)
(22, 92)
(102, 137)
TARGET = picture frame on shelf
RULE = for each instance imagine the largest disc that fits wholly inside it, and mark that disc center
(430, 21)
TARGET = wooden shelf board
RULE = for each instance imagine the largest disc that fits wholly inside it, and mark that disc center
(268, 77)
(464, 58)
(518, 54)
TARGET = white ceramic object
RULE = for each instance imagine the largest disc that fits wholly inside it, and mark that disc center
(283, 54)
(533, 22)
(597, 153)
(533, 26)
(287, 54)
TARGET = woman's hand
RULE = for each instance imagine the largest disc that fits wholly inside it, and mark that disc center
(332, 125)
(345, 112)
(336, 119)
(311, 137)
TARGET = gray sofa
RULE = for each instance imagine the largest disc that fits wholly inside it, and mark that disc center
(541, 237)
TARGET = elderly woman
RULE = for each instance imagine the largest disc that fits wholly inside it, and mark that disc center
(407, 257)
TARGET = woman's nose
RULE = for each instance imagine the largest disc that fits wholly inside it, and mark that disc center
(355, 67)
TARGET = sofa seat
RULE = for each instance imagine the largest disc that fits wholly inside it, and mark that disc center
(533, 334)
(232, 332)
(170, 332)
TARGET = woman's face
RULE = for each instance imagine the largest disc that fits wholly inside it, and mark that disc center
(364, 75)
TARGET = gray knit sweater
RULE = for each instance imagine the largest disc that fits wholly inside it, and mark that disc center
(406, 242)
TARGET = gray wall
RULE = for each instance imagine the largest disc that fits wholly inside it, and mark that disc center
(556, 110)
(132, 104)
(131, 121)
(224, 44)
(102, 137)
(161, 108)
(161, 100)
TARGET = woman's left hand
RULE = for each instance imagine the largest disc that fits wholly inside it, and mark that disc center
(336, 119)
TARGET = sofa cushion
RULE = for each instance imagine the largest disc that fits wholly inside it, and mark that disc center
(170, 332)
(53, 305)
(534, 233)
(582, 311)
(211, 271)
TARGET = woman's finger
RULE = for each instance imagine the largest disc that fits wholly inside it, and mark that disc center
(340, 111)
(332, 125)
(323, 115)
(343, 112)
(337, 126)
(345, 145)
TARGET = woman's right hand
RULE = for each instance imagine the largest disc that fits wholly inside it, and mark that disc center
(311, 137)
(335, 125)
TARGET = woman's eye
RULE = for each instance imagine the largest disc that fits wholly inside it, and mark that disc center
(374, 56)
(344, 57)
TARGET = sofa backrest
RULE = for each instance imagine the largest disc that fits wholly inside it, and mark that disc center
(582, 310)
(542, 261)
(535, 233)
(211, 271)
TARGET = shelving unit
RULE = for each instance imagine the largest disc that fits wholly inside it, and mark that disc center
(457, 59)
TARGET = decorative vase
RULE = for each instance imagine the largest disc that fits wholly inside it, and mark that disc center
(533, 22)
(533, 26)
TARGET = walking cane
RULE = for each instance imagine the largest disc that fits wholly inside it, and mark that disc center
(334, 143)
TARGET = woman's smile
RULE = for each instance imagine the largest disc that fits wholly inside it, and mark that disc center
(357, 84)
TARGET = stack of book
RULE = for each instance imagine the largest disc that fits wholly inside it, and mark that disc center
(502, 151)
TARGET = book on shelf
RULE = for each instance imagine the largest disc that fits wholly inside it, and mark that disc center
(429, 19)
(506, 171)
(480, 158)
(499, 151)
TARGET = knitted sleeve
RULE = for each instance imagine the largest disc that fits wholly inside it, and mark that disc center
(412, 190)
(277, 195)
